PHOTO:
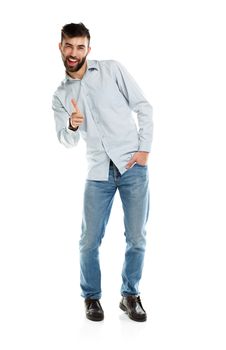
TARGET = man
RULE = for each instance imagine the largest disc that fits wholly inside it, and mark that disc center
(96, 100)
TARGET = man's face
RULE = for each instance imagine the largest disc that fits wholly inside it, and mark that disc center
(74, 52)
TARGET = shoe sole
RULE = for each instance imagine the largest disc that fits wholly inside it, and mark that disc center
(123, 307)
(94, 319)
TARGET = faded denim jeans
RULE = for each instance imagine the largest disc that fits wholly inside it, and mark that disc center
(133, 188)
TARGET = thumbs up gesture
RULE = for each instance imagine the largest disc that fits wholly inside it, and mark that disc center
(76, 118)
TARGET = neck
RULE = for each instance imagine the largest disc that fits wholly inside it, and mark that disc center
(79, 74)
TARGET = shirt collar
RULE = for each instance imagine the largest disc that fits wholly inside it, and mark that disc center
(91, 64)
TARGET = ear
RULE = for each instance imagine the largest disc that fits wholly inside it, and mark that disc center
(89, 49)
(60, 46)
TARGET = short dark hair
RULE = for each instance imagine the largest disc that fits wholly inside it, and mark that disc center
(72, 30)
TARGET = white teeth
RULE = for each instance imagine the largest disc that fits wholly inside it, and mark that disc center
(73, 60)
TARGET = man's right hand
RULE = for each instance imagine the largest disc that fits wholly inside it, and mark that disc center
(76, 118)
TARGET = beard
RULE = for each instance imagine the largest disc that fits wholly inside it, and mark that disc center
(75, 67)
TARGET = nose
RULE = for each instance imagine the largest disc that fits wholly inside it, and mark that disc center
(74, 51)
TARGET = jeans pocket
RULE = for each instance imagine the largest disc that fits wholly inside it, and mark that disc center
(140, 165)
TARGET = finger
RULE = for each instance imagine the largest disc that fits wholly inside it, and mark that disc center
(74, 104)
(77, 120)
(130, 163)
(75, 116)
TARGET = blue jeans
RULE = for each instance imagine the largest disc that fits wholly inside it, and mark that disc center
(98, 199)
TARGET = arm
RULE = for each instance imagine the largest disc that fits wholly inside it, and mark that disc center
(68, 137)
(138, 104)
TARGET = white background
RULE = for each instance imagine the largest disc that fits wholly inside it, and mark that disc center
(176, 52)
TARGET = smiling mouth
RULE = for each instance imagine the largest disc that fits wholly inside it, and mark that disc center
(71, 61)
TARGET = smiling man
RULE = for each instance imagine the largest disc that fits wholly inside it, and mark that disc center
(96, 100)
(74, 63)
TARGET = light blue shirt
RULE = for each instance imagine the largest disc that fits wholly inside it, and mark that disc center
(106, 96)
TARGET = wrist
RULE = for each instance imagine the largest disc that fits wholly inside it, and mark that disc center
(71, 127)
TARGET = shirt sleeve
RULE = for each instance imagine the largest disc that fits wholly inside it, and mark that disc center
(138, 104)
(67, 137)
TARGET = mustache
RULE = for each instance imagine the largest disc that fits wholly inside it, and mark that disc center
(74, 58)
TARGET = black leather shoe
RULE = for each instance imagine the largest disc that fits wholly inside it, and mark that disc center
(94, 311)
(133, 307)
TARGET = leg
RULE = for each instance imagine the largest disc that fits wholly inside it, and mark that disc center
(98, 199)
(134, 193)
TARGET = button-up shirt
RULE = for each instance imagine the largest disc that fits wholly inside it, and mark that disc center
(107, 96)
